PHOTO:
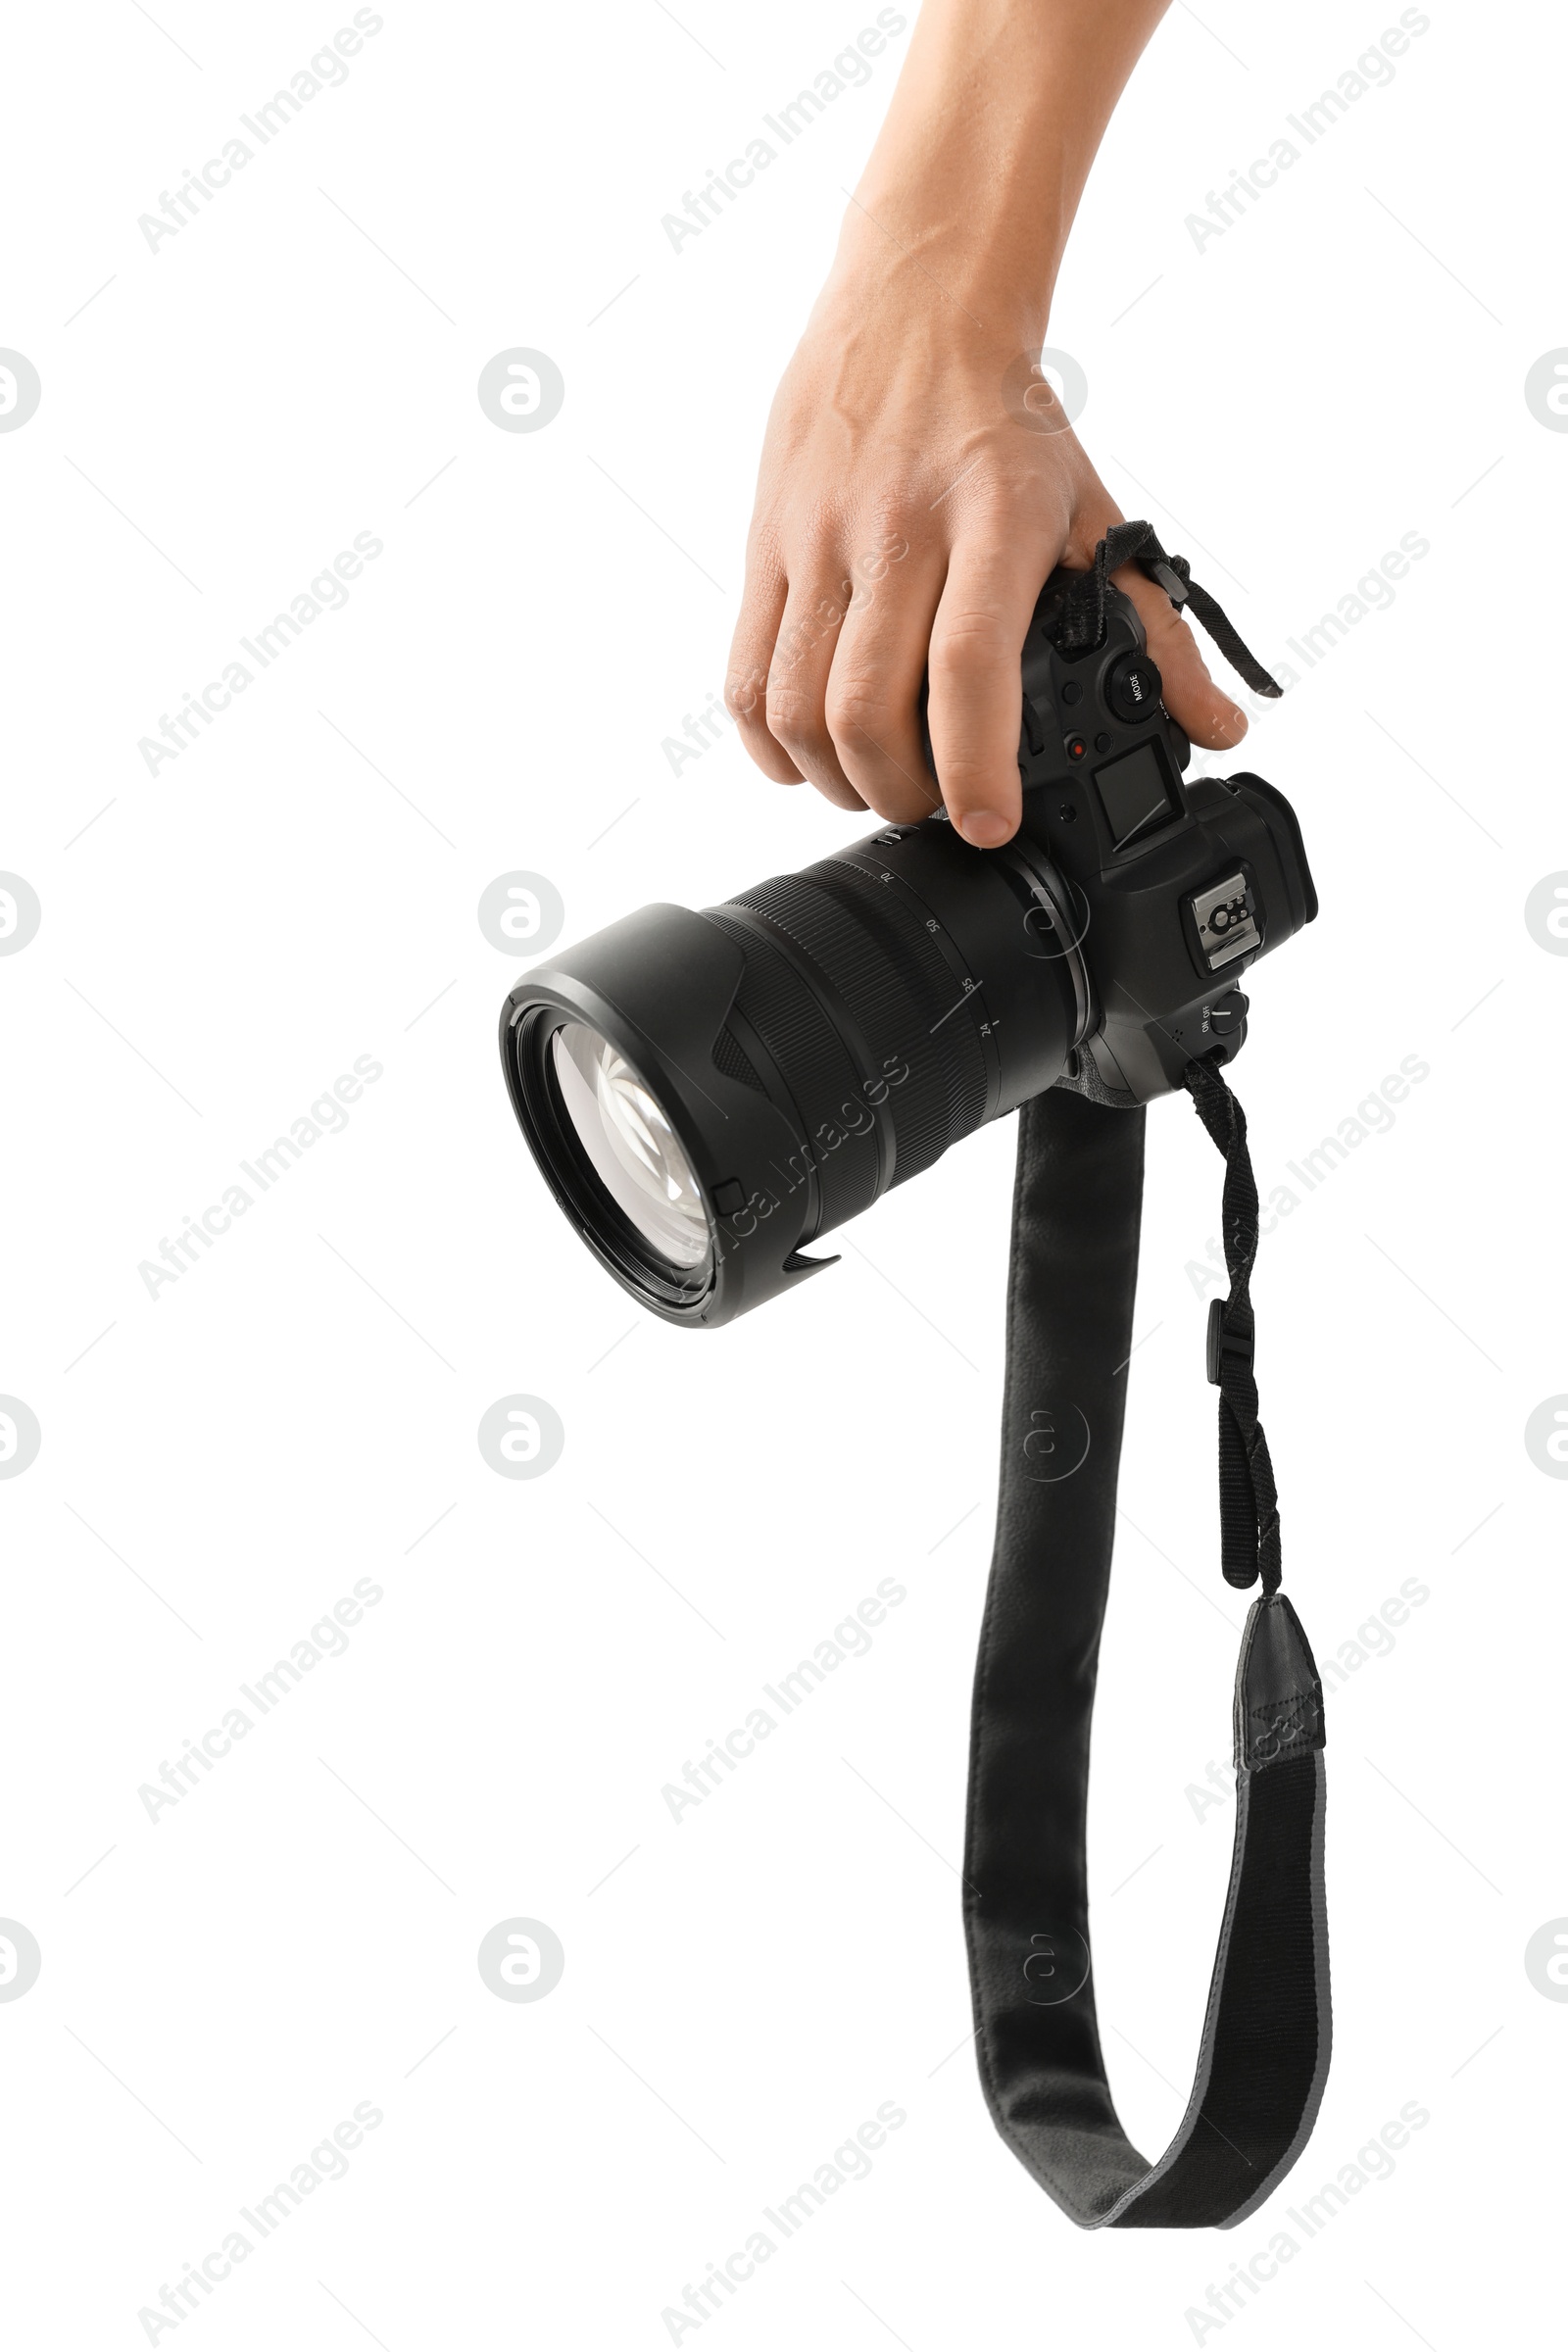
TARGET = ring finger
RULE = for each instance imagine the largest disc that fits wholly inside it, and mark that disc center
(797, 681)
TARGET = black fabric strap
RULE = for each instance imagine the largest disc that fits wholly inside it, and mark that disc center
(1264, 2054)
(1083, 615)
(1248, 1514)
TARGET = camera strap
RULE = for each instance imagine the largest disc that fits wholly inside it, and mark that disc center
(1083, 621)
(1265, 2054)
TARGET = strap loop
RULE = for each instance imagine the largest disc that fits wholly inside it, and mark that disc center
(1083, 615)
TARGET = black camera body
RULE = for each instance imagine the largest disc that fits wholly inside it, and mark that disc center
(707, 1094)
(1174, 883)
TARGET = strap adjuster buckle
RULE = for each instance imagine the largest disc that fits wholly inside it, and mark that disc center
(1165, 576)
(1223, 1341)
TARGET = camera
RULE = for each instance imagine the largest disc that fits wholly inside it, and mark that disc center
(709, 1094)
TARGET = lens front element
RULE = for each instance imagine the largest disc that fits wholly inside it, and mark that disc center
(631, 1144)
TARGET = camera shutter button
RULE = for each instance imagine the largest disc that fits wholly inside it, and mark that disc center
(1133, 688)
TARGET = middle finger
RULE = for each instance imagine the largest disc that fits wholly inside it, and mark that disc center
(873, 690)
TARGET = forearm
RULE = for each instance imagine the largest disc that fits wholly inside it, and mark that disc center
(976, 176)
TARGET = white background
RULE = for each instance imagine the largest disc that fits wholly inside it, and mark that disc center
(298, 1934)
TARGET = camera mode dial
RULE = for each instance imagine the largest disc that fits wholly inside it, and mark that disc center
(1133, 689)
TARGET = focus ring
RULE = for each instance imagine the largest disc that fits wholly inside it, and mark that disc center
(854, 961)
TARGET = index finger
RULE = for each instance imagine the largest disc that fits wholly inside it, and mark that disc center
(976, 681)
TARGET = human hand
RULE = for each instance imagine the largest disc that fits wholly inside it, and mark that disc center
(910, 509)
(918, 483)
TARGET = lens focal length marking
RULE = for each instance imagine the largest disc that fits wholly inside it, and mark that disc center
(970, 989)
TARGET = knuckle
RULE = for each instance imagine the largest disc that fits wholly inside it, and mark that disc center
(973, 640)
(795, 721)
(746, 698)
(860, 716)
(882, 542)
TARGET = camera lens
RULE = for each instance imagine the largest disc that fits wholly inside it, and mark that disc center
(709, 1094)
(631, 1144)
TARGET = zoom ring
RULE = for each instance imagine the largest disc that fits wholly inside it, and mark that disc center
(899, 994)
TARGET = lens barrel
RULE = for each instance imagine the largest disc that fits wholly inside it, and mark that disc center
(810, 1042)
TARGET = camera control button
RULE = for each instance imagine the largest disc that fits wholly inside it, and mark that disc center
(1133, 688)
(1072, 692)
(1076, 747)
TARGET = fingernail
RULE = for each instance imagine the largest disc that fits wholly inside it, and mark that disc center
(984, 829)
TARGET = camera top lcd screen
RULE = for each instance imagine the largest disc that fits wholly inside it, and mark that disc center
(1136, 794)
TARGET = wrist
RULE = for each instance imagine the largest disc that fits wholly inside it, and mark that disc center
(968, 266)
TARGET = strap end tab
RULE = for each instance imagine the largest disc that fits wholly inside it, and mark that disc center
(1279, 1698)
